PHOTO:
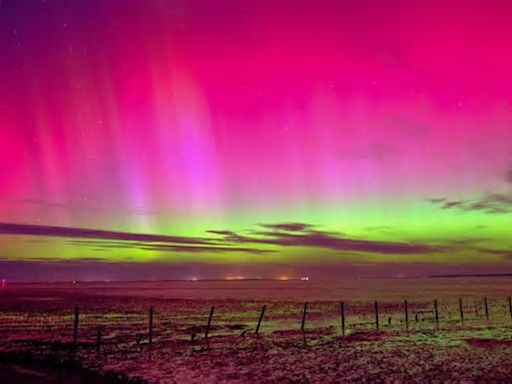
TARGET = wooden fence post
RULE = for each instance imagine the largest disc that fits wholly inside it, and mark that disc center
(406, 312)
(342, 313)
(486, 309)
(209, 323)
(261, 318)
(98, 340)
(510, 306)
(304, 312)
(436, 313)
(76, 321)
(461, 310)
(376, 305)
(150, 325)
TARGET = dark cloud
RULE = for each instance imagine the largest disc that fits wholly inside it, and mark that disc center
(102, 239)
(202, 249)
(282, 235)
(105, 245)
(83, 233)
(327, 240)
(491, 202)
(271, 234)
(466, 242)
(222, 233)
(265, 238)
(289, 227)
(227, 236)
(451, 204)
(504, 253)
(477, 245)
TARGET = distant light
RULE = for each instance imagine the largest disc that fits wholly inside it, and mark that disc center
(284, 278)
(194, 279)
(3, 283)
(230, 278)
(74, 281)
(304, 278)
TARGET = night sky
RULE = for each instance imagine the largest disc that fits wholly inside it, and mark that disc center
(188, 139)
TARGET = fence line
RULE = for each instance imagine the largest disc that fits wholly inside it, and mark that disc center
(103, 327)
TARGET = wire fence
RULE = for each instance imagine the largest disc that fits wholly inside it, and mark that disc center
(192, 322)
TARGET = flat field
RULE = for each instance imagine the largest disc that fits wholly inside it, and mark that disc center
(156, 331)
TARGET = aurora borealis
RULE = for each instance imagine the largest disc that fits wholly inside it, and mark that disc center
(179, 138)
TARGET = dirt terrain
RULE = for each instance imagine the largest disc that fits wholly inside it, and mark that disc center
(117, 332)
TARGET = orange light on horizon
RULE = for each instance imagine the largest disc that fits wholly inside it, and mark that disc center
(230, 278)
(283, 278)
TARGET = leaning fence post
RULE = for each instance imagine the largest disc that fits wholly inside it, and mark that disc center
(486, 309)
(461, 309)
(376, 305)
(436, 311)
(260, 318)
(510, 306)
(406, 312)
(150, 325)
(304, 316)
(342, 312)
(209, 323)
(98, 340)
(76, 320)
